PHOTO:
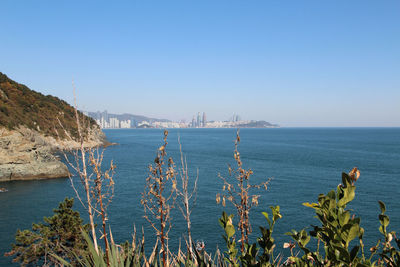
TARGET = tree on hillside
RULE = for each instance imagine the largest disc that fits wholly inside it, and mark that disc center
(60, 234)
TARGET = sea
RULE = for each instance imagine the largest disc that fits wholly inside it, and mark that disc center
(301, 163)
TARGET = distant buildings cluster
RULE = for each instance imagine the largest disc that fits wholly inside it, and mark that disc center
(199, 122)
(107, 121)
(113, 121)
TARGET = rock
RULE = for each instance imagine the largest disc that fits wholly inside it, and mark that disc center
(33, 170)
(3, 95)
(26, 154)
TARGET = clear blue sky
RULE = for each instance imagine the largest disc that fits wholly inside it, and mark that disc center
(296, 63)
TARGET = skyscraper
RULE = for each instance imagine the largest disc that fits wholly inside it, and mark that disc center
(204, 119)
(193, 122)
(198, 120)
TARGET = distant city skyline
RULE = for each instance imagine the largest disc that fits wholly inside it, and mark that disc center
(125, 121)
(300, 63)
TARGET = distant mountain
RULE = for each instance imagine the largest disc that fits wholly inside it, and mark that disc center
(258, 124)
(135, 119)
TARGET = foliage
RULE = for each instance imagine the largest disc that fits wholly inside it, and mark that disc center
(337, 231)
(133, 254)
(389, 254)
(21, 106)
(227, 224)
(59, 235)
(251, 254)
(118, 256)
(338, 228)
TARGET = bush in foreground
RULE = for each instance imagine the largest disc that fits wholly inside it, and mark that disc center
(59, 235)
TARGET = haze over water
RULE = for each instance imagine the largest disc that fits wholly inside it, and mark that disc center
(303, 163)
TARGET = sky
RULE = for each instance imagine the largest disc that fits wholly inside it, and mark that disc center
(295, 63)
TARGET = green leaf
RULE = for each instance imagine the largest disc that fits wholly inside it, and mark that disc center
(275, 213)
(382, 206)
(349, 232)
(346, 180)
(343, 254)
(304, 238)
(384, 220)
(349, 194)
(266, 217)
(353, 233)
(230, 230)
(354, 252)
(311, 205)
(344, 218)
(331, 195)
(360, 236)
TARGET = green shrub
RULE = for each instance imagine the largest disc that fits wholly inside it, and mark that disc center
(58, 235)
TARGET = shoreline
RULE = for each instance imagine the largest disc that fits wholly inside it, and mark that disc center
(26, 154)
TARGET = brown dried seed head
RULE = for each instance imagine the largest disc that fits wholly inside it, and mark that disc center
(254, 200)
(390, 237)
(354, 174)
(218, 198)
(289, 245)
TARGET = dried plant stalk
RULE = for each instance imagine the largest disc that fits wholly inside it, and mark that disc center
(156, 199)
(98, 185)
(238, 193)
(79, 166)
(187, 199)
(103, 190)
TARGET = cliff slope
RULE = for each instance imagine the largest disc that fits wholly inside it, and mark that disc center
(28, 132)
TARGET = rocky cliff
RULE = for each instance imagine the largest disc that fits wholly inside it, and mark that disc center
(29, 122)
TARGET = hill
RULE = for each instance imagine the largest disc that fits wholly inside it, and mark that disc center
(28, 136)
(257, 124)
(21, 106)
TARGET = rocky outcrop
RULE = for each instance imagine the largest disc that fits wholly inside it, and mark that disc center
(29, 127)
(26, 154)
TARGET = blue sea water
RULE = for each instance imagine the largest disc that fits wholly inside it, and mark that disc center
(302, 162)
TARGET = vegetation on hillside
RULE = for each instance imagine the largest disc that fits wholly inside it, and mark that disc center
(21, 106)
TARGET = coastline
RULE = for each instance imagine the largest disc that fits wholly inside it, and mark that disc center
(26, 154)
